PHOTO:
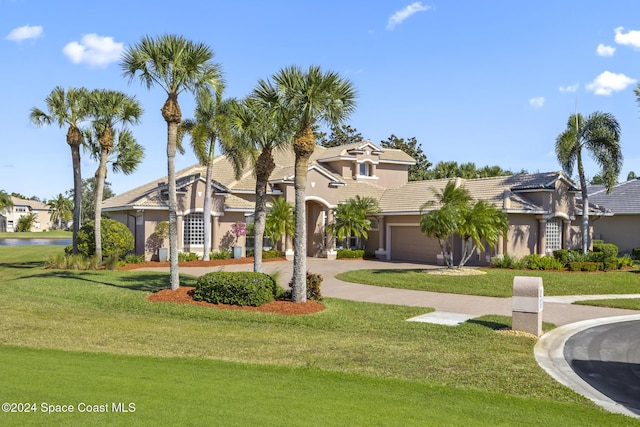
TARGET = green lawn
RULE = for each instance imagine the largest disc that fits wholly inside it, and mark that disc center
(625, 303)
(499, 282)
(55, 234)
(92, 337)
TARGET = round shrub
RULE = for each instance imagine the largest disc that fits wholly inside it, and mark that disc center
(117, 240)
(243, 288)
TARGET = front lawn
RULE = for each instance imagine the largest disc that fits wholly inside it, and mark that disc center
(499, 282)
(54, 234)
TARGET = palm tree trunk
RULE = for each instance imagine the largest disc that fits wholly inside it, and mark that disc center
(303, 147)
(207, 208)
(585, 206)
(101, 175)
(77, 195)
(264, 166)
(173, 206)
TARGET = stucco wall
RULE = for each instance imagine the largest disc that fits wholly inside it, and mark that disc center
(621, 230)
(522, 238)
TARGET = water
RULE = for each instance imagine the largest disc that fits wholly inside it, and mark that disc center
(25, 242)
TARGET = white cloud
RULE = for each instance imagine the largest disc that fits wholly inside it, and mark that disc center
(399, 17)
(608, 82)
(24, 33)
(631, 38)
(569, 89)
(604, 50)
(95, 50)
(537, 102)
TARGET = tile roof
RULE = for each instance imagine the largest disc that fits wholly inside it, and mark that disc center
(623, 199)
(387, 154)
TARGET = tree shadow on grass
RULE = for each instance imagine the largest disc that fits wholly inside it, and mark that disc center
(22, 265)
(493, 325)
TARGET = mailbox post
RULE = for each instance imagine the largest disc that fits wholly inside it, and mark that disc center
(527, 305)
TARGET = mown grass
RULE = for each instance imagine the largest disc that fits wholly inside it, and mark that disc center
(499, 282)
(624, 303)
(54, 234)
(254, 367)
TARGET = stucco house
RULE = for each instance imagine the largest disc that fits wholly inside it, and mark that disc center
(9, 217)
(622, 225)
(541, 207)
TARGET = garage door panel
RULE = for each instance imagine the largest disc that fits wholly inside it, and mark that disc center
(409, 244)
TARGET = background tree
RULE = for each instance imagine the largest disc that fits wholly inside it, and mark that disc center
(176, 65)
(5, 200)
(108, 109)
(261, 123)
(61, 209)
(280, 221)
(313, 96)
(67, 109)
(631, 175)
(88, 196)
(211, 124)
(469, 170)
(599, 135)
(417, 172)
(340, 135)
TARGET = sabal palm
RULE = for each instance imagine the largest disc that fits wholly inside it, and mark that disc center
(211, 123)
(108, 109)
(599, 135)
(314, 97)
(480, 222)
(264, 125)
(279, 220)
(61, 209)
(5, 200)
(176, 65)
(68, 109)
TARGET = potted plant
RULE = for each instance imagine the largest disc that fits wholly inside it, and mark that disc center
(238, 229)
(161, 232)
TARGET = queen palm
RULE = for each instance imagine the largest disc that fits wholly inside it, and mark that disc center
(5, 200)
(176, 65)
(212, 123)
(279, 221)
(481, 223)
(108, 109)
(314, 97)
(265, 126)
(351, 219)
(599, 134)
(68, 109)
(61, 209)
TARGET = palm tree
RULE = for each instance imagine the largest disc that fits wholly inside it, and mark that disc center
(176, 65)
(5, 200)
(599, 134)
(68, 109)
(109, 108)
(444, 222)
(25, 222)
(480, 222)
(265, 126)
(314, 97)
(61, 209)
(280, 221)
(351, 219)
(212, 123)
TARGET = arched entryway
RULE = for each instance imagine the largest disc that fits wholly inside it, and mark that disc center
(318, 216)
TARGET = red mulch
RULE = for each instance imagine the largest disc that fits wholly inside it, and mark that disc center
(184, 294)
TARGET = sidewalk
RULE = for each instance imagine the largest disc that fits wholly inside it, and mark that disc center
(558, 311)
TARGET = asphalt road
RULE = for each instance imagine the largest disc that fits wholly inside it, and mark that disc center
(608, 358)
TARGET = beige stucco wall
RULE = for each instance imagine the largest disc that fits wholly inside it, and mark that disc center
(522, 237)
(621, 230)
(391, 175)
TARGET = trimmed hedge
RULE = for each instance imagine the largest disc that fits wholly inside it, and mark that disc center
(273, 253)
(350, 253)
(237, 288)
(583, 266)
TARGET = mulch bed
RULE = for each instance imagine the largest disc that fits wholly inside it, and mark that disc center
(210, 263)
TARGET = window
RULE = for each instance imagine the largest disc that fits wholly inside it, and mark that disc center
(365, 169)
(194, 229)
(21, 209)
(554, 235)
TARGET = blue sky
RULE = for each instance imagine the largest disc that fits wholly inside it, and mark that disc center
(490, 82)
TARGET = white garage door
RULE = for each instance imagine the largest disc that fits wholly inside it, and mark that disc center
(409, 244)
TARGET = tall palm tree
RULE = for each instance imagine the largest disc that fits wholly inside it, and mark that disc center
(315, 97)
(280, 221)
(599, 134)
(108, 109)
(211, 124)
(5, 200)
(61, 209)
(264, 125)
(176, 65)
(68, 109)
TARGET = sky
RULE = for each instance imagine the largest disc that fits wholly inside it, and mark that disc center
(491, 82)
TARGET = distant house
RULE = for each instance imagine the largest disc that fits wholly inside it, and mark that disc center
(541, 207)
(622, 226)
(9, 217)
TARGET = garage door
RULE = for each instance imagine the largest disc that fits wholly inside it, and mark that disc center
(409, 244)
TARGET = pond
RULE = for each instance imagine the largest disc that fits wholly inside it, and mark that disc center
(25, 242)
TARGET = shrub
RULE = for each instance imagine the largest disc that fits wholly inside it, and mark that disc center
(313, 287)
(625, 261)
(266, 254)
(369, 255)
(605, 252)
(504, 261)
(187, 256)
(537, 262)
(116, 238)
(562, 255)
(221, 254)
(134, 259)
(583, 266)
(243, 288)
(350, 253)
(72, 262)
(635, 253)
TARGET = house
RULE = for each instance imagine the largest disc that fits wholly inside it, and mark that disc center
(10, 216)
(541, 207)
(622, 226)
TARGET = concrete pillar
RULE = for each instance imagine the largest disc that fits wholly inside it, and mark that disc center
(215, 231)
(542, 236)
(566, 228)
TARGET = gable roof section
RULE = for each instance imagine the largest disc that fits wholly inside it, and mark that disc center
(33, 204)
(624, 198)
(348, 152)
